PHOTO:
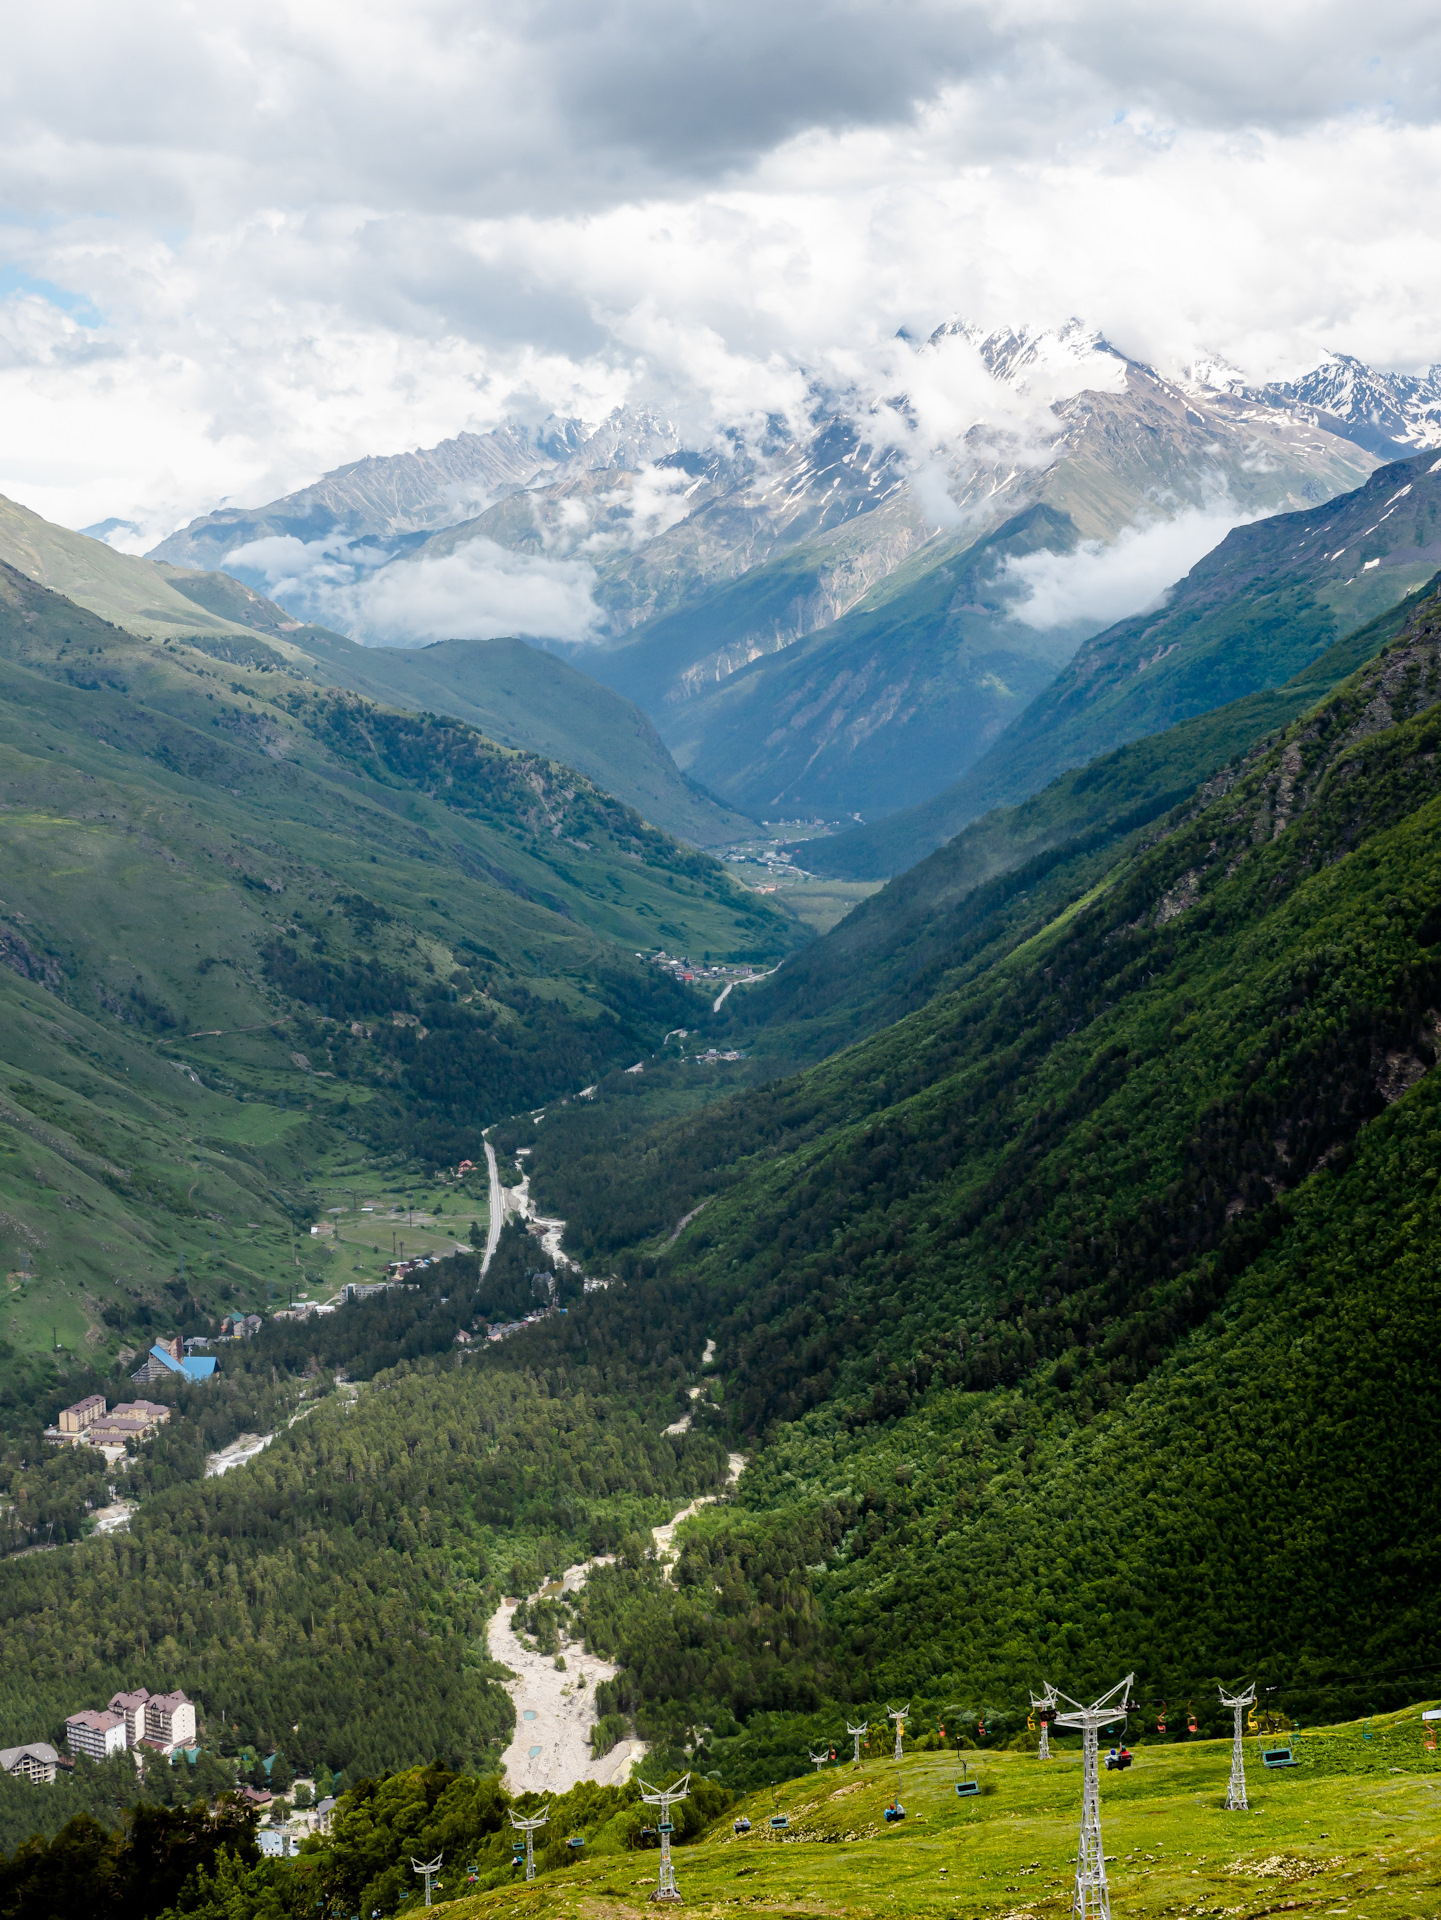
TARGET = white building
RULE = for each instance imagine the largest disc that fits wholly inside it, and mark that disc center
(132, 1707)
(96, 1735)
(169, 1721)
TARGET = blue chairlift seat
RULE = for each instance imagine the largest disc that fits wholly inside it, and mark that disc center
(576, 1840)
(742, 1825)
(1277, 1757)
(895, 1811)
(666, 1826)
(780, 1821)
(968, 1786)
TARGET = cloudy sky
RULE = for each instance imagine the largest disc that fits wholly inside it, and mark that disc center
(248, 240)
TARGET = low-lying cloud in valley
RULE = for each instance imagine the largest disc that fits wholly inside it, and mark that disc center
(480, 592)
(1098, 584)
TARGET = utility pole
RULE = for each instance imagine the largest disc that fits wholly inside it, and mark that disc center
(1236, 1792)
(1093, 1896)
(528, 1827)
(664, 1798)
(427, 1869)
(858, 1734)
(1044, 1703)
(898, 1714)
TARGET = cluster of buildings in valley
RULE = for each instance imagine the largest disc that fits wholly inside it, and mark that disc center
(163, 1723)
(681, 967)
(89, 1423)
(240, 1326)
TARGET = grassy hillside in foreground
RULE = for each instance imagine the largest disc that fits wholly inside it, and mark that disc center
(1171, 1847)
(1350, 1822)
(893, 952)
(1262, 606)
(249, 924)
(1096, 1293)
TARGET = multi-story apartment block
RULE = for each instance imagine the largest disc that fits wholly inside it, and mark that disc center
(83, 1414)
(169, 1721)
(96, 1735)
(36, 1762)
(151, 1411)
(131, 1706)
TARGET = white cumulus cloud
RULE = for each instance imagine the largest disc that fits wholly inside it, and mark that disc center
(1096, 585)
(479, 592)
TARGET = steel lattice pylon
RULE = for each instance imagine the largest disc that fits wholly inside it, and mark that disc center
(664, 1798)
(898, 1714)
(1236, 1801)
(1045, 1703)
(858, 1734)
(1093, 1897)
(427, 1869)
(528, 1827)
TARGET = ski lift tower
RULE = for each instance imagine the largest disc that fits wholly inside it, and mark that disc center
(664, 1798)
(1044, 1703)
(1236, 1791)
(528, 1827)
(858, 1734)
(427, 1869)
(818, 1760)
(1093, 1896)
(898, 1714)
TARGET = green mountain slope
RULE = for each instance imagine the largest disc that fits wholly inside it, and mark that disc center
(876, 709)
(513, 692)
(1096, 1289)
(119, 587)
(893, 951)
(1266, 602)
(524, 698)
(233, 899)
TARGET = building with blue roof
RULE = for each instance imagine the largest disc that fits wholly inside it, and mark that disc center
(168, 1359)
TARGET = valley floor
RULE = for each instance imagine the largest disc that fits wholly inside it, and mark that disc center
(1362, 1842)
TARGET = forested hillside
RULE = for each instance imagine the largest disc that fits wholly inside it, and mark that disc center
(1087, 1311)
(250, 923)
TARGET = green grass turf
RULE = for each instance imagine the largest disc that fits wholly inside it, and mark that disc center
(1353, 1830)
